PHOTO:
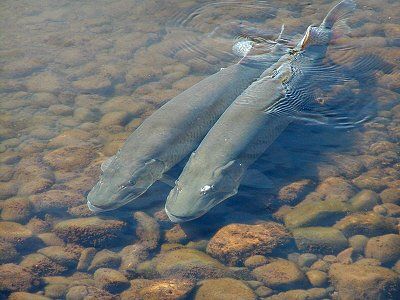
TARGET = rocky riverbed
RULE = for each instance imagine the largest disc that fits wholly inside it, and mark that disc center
(78, 77)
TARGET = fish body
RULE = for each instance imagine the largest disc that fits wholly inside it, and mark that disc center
(250, 125)
(173, 132)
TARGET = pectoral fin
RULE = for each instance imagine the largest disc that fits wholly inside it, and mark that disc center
(255, 179)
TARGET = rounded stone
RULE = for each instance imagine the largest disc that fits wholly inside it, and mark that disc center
(8, 253)
(385, 248)
(325, 240)
(281, 275)
(87, 292)
(391, 195)
(317, 278)
(15, 233)
(41, 265)
(224, 289)
(70, 158)
(54, 200)
(110, 280)
(90, 231)
(16, 210)
(66, 256)
(306, 259)
(255, 261)
(16, 278)
(364, 200)
(364, 282)
(233, 243)
(26, 296)
(358, 243)
(105, 259)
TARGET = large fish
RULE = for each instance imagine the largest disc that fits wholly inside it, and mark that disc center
(251, 124)
(173, 132)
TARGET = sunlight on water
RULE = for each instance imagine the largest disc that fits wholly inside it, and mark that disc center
(317, 214)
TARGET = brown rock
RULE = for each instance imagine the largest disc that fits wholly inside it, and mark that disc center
(41, 265)
(16, 209)
(317, 278)
(86, 258)
(16, 278)
(105, 259)
(26, 296)
(110, 280)
(15, 233)
(83, 292)
(360, 282)
(294, 191)
(165, 289)
(147, 230)
(176, 235)
(89, 231)
(131, 257)
(281, 274)
(385, 248)
(255, 261)
(70, 158)
(368, 224)
(234, 243)
(54, 200)
(224, 289)
(391, 195)
(8, 253)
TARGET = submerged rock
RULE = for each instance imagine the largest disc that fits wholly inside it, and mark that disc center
(81, 292)
(234, 243)
(105, 259)
(368, 224)
(15, 233)
(110, 280)
(8, 253)
(165, 289)
(66, 256)
(385, 248)
(131, 257)
(281, 274)
(360, 282)
(326, 240)
(147, 230)
(364, 200)
(86, 258)
(224, 289)
(188, 264)
(41, 265)
(70, 158)
(294, 191)
(16, 210)
(17, 278)
(317, 278)
(56, 200)
(26, 296)
(311, 294)
(391, 195)
(315, 213)
(92, 231)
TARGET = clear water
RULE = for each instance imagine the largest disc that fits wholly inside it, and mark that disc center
(78, 77)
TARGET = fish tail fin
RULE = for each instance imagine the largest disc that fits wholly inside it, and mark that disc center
(339, 12)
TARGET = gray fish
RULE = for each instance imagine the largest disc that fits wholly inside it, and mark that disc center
(251, 124)
(173, 132)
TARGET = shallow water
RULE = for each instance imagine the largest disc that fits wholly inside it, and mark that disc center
(78, 77)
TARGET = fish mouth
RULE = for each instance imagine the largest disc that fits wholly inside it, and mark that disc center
(179, 219)
(98, 209)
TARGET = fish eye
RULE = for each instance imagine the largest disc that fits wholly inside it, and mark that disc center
(206, 189)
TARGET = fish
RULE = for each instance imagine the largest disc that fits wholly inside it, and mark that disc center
(173, 131)
(252, 122)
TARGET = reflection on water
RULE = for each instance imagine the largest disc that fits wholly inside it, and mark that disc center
(77, 78)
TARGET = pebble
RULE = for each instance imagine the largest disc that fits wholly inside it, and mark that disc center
(224, 288)
(391, 195)
(93, 84)
(377, 282)
(110, 280)
(17, 278)
(50, 239)
(358, 243)
(16, 209)
(176, 235)
(281, 275)
(325, 240)
(8, 253)
(294, 191)
(364, 200)
(16, 234)
(85, 259)
(70, 158)
(385, 248)
(234, 243)
(255, 261)
(184, 263)
(81, 292)
(60, 110)
(56, 200)
(306, 259)
(368, 224)
(168, 289)
(317, 278)
(131, 257)
(44, 82)
(105, 259)
(27, 296)
(90, 231)
(41, 265)
(147, 230)
(64, 255)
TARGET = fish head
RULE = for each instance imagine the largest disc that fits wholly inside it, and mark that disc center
(197, 191)
(120, 184)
